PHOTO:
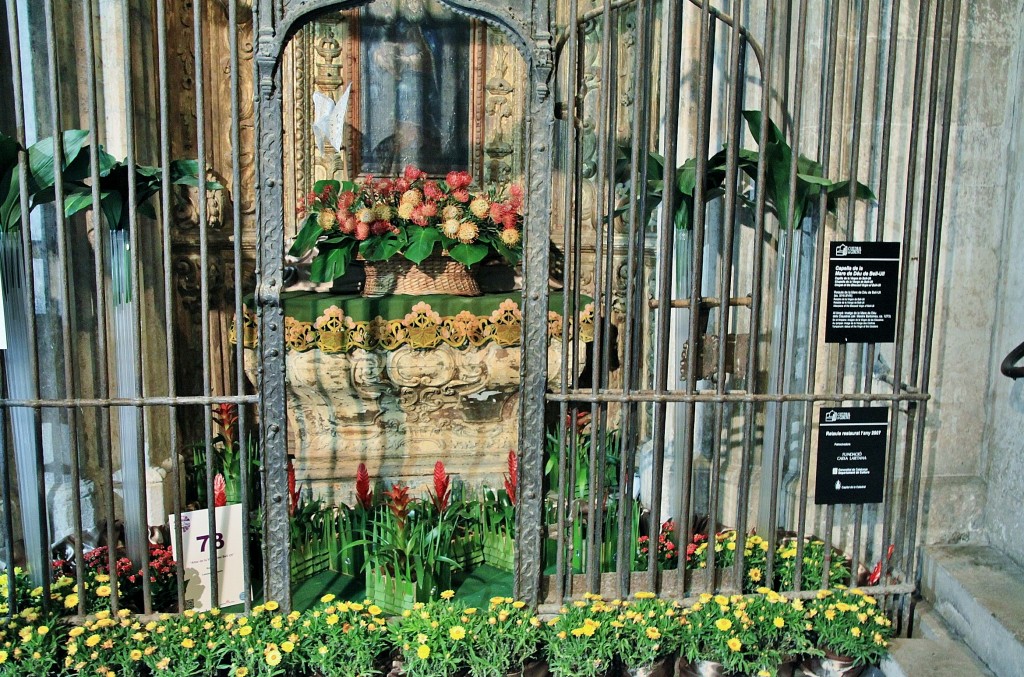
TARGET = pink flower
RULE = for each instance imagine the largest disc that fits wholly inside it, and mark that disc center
(412, 173)
(462, 195)
(362, 230)
(220, 497)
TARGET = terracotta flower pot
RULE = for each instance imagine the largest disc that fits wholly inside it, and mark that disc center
(663, 667)
(684, 668)
(831, 665)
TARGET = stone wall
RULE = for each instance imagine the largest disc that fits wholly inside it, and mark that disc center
(1003, 439)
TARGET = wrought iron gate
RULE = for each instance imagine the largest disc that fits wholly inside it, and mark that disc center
(707, 365)
(712, 305)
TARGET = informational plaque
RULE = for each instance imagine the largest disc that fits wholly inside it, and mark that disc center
(198, 545)
(851, 454)
(863, 289)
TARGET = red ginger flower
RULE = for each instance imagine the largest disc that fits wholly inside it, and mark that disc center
(441, 497)
(512, 478)
(398, 503)
(364, 494)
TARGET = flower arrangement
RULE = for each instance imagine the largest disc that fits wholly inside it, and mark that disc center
(503, 639)
(668, 552)
(433, 638)
(412, 215)
(98, 584)
(848, 623)
(345, 639)
(749, 634)
(581, 639)
(647, 629)
(744, 635)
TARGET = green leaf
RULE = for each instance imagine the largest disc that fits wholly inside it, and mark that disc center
(753, 118)
(421, 243)
(468, 254)
(319, 186)
(306, 238)
(41, 160)
(112, 206)
(382, 248)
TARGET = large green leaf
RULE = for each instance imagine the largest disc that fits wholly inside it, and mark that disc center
(382, 248)
(422, 242)
(306, 238)
(331, 264)
(468, 254)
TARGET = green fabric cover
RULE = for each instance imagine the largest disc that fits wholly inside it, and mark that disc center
(307, 306)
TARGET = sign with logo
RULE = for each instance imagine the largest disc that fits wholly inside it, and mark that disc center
(199, 545)
(851, 455)
(863, 291)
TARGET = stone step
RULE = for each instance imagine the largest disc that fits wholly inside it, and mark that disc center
(931, 658)
(979, 594)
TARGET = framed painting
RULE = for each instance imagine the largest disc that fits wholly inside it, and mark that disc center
(416, 103)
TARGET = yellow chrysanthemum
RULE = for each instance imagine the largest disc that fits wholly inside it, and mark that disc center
(735, 644)
(855, 631)
(447, 594)
(644, 595)
(723, 624)
(273, 657)
(653, 633)
(375, 610)
(423, 651)
(241, 672)
(779, 623)
(457, 632)
(327, 599)
(103, 591)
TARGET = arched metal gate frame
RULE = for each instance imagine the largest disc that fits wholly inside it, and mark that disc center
(528, 24)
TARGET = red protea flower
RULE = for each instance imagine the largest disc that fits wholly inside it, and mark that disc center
(462, 195)
(220, 496)
(398, 503)
(412, 173)
(512, 478)
(364, 494)
(442, 494)
(432, 191)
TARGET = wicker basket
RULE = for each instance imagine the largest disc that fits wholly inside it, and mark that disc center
(436, 275)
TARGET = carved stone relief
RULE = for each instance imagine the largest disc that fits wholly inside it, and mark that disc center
(220, 205)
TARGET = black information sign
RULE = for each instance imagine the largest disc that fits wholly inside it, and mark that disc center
(851, 454)
(863, 286)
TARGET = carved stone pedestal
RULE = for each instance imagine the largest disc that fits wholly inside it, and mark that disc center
(400, 411)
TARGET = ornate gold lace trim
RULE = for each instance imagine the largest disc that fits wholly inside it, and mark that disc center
(334, 332)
